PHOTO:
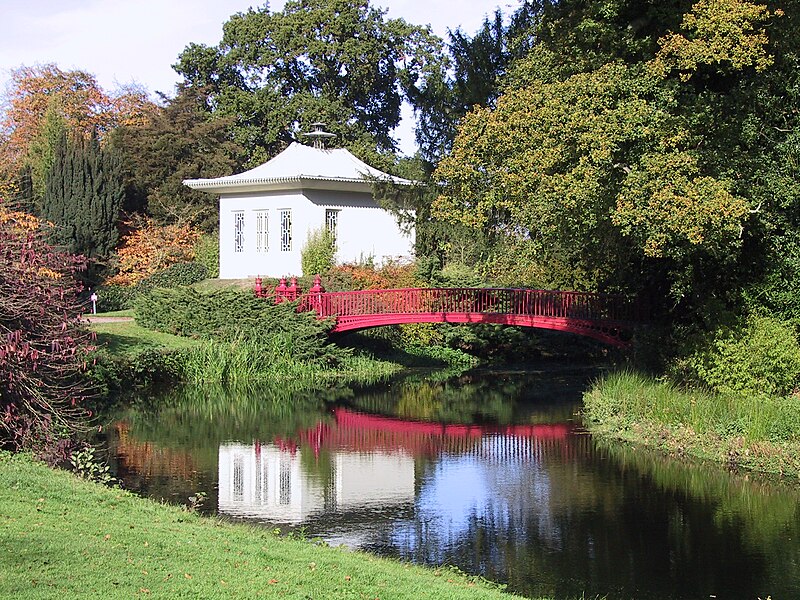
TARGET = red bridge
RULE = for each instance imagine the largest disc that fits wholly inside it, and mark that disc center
(605, 317)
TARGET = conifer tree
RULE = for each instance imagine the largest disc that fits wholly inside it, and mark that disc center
(83, 198)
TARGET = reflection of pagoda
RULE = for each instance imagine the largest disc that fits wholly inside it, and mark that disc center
(371, 463)
(266, 482)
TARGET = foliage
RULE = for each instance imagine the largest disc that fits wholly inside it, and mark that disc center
(44, 347)
(44, 93)
(84, 197)
(472, 75)
(236, 315)
(365, 276)
(340, 62)
(150, 247)
(181, 140)
(111, 298)
(762, 356)
(179, 274)
(579, 167)
(86, 465)
(318, 255)
(720, 31)
(206, 252)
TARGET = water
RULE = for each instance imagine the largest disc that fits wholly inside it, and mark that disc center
(490, 472)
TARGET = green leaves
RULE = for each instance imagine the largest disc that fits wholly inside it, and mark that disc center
(337, 61)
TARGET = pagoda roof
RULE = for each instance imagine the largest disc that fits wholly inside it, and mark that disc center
(299, 167)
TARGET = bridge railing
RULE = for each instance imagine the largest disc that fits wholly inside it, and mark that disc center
(537, 303)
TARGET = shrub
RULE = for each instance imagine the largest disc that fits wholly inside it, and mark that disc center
(319, 254)
(760, 356)
(206, 252)
(236, 315)
(115, 297)
(358, 276)
(120, 297)
(43, 343)
(150, 247)
(176, 275)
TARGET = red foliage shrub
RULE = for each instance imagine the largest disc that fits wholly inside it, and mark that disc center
(353, 276)
(44, 346)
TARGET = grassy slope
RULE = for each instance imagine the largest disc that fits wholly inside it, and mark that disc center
(127, 338)
(67, 538)
(760, 434)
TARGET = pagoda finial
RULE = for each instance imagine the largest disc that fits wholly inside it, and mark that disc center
(319, 135)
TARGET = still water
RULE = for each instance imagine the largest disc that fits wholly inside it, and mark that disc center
(490, 472)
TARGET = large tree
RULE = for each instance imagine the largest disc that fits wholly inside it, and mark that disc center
(337, 61)
(181, 140)
(640, 145)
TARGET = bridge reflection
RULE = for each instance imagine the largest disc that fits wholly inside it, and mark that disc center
(360, 461)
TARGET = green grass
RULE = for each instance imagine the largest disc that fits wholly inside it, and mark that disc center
(67, 538)
(126, 338)
(758, 432)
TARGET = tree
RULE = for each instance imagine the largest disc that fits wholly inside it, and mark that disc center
(585, 170)
(337, 61)
(181, 140)
(44, 349)
(471, 76)
(40, 95)
(150, 247)
(622, 154)
(84, 197)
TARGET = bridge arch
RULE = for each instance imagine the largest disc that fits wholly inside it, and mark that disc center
(608, 318)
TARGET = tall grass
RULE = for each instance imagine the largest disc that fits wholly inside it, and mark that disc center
(625, 399)
(270, 358)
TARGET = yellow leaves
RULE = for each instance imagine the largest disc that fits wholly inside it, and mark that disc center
(20, 221)
(151, 248)
(718, 31)
(665, 204)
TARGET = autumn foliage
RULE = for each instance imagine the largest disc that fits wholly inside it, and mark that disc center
(44, 346)
(355, 276)
(150, 247)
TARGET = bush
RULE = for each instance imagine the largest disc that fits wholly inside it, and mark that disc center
(319, 254)
(44, 345)
(176, 275)
(121, 297)
(115, 297)
(206, 252)
(236, 315)
(761, 356)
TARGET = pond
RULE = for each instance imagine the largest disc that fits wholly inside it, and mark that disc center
(487, 471)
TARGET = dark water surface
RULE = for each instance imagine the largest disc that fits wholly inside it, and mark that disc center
(488, 471)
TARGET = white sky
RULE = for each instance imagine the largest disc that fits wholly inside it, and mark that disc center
(124, 41)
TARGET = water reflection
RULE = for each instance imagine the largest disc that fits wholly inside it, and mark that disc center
(489, 473)
(268, 483)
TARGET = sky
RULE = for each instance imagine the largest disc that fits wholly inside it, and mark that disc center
(137, 41)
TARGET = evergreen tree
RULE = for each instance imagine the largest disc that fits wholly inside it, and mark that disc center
(83, 198)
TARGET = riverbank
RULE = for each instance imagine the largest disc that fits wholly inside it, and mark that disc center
(69, 538)
(758, 433)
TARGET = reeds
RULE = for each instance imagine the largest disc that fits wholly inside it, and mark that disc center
(626, 398)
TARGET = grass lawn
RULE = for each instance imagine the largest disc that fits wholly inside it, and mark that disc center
(128, 338)
(63, 537)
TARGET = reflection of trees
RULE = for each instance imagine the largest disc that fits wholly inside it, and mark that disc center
(475, 398)
(204, 416)
(170, 444)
